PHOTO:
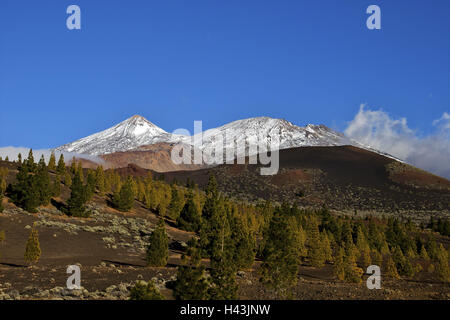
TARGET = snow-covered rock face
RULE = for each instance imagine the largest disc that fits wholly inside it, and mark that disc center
(129, 134)
(262, 131)
(138, 131)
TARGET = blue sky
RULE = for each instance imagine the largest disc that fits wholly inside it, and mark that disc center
(217, 61)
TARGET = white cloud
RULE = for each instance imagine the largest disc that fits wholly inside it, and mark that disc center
(443, 122)
(380, 131)
(13, 152)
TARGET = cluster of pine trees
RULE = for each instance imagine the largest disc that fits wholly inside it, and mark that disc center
(33, 187)
(297, 236)
(223, 238)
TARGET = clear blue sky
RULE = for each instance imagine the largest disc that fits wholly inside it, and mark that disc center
(217, 61)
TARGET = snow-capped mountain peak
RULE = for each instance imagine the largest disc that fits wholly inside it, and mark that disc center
(129, 134)
(248, 131)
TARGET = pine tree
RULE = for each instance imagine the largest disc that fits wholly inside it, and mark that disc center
(30, 161)
(25, 192)
(158, 249)
(77, 200)
(61, 168)
(56, 186)
(90, 184)
(365, 259)
(402, 263)
(43, 183)
(316, 254)
(52, 162)
(165, 196)
(100, 180)
(280, 255)
(223, 276)
(176, 204)
(384, 249)
(191, 282)
(326, 247)
(189, 218)
(19, 158)
(79, 171)
(73, 166)
(123, 199)
(33, 249)
(244, 244)
(391, 269)
(211, 188)
(141, 191)
(442, 268)
(301, 240)
(339, 266)
(424, 254)
(67, 180)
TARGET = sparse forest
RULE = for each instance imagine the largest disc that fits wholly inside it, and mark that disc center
(228, 236)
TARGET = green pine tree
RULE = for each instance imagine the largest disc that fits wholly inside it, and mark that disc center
(25, 192)
(191, 282)
(339, 266)
(223, 276)
(52, 162)
(189, 218)
(61, 168)
(33, 249)
(100, 180)
(176, 204)
(158, 248)
(281, 256)
(123, 200)
(30, 161)
(43, 182)
(442, 268)
(316, 252)
(68, 179)
(391, 269)
(76, 202)
(244, 244)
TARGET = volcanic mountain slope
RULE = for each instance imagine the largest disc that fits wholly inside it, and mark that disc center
(156, 157)
(135, 132)
(253, 131)
(342, 177)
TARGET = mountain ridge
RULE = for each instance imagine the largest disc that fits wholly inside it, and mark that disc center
(137, 131)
